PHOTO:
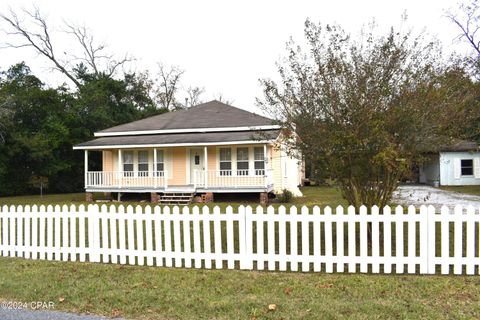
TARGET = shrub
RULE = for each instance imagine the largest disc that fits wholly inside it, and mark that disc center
(285, 197)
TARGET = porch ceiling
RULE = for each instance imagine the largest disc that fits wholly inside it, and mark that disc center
(181, 139)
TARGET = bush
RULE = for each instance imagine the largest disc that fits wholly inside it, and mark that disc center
(285, 197)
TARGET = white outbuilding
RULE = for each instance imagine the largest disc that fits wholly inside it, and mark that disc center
(457, 164)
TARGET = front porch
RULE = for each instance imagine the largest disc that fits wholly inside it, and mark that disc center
(203, 181)
(195, 169)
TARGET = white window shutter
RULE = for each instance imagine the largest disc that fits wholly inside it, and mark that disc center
(476, 168)
(456, 168)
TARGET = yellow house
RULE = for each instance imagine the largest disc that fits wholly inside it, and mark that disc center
(206, 149)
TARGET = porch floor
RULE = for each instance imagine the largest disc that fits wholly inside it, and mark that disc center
(182, 188)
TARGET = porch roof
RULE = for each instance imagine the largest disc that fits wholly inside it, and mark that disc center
(183, 139)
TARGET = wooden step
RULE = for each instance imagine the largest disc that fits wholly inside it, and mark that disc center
(179, 198)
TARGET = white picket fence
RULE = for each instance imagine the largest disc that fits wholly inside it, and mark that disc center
(416, 241)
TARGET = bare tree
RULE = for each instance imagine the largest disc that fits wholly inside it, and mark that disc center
(36, 33)
(467, 19)
(94, 54)
(193, 96)
(39, 39)
(169, 83)
(221, 98)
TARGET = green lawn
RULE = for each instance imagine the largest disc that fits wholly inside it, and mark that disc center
(475, 190)
(162, 293)
(321, 196)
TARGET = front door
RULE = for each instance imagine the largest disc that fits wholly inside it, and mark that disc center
(196, 164)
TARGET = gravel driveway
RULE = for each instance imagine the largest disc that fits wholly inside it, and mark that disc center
(24, 314)
(418, 195)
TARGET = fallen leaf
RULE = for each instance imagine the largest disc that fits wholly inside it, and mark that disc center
(272, 307)
(325, 285)
(115, 313)
(287, 291)
(61, 299)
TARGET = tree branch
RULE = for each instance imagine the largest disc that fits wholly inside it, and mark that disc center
(40, 42)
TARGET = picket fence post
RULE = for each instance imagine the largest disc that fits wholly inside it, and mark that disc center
(245, 237)
(93, 233)
(242, 241)
(248, 238)
(431, 240)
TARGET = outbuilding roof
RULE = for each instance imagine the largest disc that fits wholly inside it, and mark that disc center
(460, 145)
(445, 144)
(213, 114)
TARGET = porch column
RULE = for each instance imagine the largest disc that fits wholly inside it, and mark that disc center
(205, 149)
(119, 166)
(86, 168)
(265, 162)
(154, 167)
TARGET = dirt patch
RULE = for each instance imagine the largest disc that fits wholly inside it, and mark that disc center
(418, 195)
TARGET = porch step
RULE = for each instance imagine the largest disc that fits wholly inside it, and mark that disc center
(181, 198)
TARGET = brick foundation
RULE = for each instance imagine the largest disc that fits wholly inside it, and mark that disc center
(264, 198)
(88, 196)
(208, 197)
(154, 197)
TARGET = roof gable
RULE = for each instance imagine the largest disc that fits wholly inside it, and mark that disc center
(213, 114)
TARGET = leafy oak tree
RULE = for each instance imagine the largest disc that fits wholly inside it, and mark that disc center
(364, 107)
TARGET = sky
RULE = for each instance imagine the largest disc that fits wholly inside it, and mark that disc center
(223, 46)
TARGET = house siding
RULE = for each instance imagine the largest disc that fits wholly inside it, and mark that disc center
(179, 166)
(212, 158)
(107, 161)
(447, 168)
(276, 161)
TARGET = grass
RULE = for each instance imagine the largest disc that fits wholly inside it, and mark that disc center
(474, 190)
(321, 196)
(161, 293)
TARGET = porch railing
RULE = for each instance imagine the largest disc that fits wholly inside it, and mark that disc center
(233, 178)
(210, 179)
(128, 179)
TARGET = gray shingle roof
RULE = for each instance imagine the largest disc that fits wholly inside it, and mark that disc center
(460, 145)
(213, 114)
(445, 144)
(182, 138)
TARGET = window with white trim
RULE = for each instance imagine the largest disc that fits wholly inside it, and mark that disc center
(225, 161)
(160, 165)
(142, 163)
(242, 161)
(466, 166)
(127, 159)
(259, 161)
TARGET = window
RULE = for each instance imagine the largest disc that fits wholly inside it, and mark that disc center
(142, 163)
(259, 158)
(242, 161)
(467, 167)
(197, 159)
(160, 163)
(127, 163)
(225, 162)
